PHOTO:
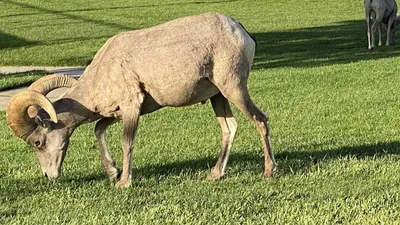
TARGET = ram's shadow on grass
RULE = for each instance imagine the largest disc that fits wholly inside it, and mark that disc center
(341, 43)
(299, 161)
(26, 187)
(289, 161)
(23, 188)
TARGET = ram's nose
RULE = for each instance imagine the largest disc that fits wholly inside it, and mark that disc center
(51, 176)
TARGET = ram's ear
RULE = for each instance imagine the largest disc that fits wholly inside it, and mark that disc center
(39, 121)
(42, 120)
(33, 111)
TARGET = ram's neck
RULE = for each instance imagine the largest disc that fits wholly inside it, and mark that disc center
(102, 90)
(73, 113)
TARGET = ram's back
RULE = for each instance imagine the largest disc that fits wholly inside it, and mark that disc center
(173, 62)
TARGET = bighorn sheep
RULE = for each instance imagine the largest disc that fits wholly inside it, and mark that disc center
(383, 12)
(179, 63)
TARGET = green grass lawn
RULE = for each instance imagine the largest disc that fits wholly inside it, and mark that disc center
(334, 109)
(14, 80)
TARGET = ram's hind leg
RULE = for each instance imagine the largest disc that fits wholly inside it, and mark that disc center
(240, 97)
(228, 129)
(106, 160)
(233, 86)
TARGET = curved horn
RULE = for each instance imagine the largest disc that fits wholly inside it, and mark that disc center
(17, 117)
(48, 83)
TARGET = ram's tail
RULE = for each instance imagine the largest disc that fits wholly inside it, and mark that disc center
(252, 37)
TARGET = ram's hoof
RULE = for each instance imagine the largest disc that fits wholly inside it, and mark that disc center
(123, 184)
(214, 175)
(114, 174)
(270, 170)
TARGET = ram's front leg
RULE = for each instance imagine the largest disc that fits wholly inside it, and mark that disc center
(130, 120)
(130, 123)
(106, 160)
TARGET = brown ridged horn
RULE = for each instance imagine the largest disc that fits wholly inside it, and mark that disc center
(48, 83)
(17, 117)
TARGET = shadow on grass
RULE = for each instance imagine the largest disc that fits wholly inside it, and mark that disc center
(65, 14)
(23, 74)
(289, 162)
(18, 189)
(41, 9)
(17, 80)
(341, 43)
(299, 161)
(12, 41)
(69, 14)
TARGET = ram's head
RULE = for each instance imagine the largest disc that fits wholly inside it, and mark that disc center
(32, 117)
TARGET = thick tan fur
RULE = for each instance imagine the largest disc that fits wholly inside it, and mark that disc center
(179, 63)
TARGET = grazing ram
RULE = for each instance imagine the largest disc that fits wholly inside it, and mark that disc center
(179, 63)
(383, 12)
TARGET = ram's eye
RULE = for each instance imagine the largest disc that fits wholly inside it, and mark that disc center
(38, 144)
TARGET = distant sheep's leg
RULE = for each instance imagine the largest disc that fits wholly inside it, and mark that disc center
(367, 18)
(375, 26)
(388, 31)
(106, 160)
(228, 127)
(373, 36)
(380, 34)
